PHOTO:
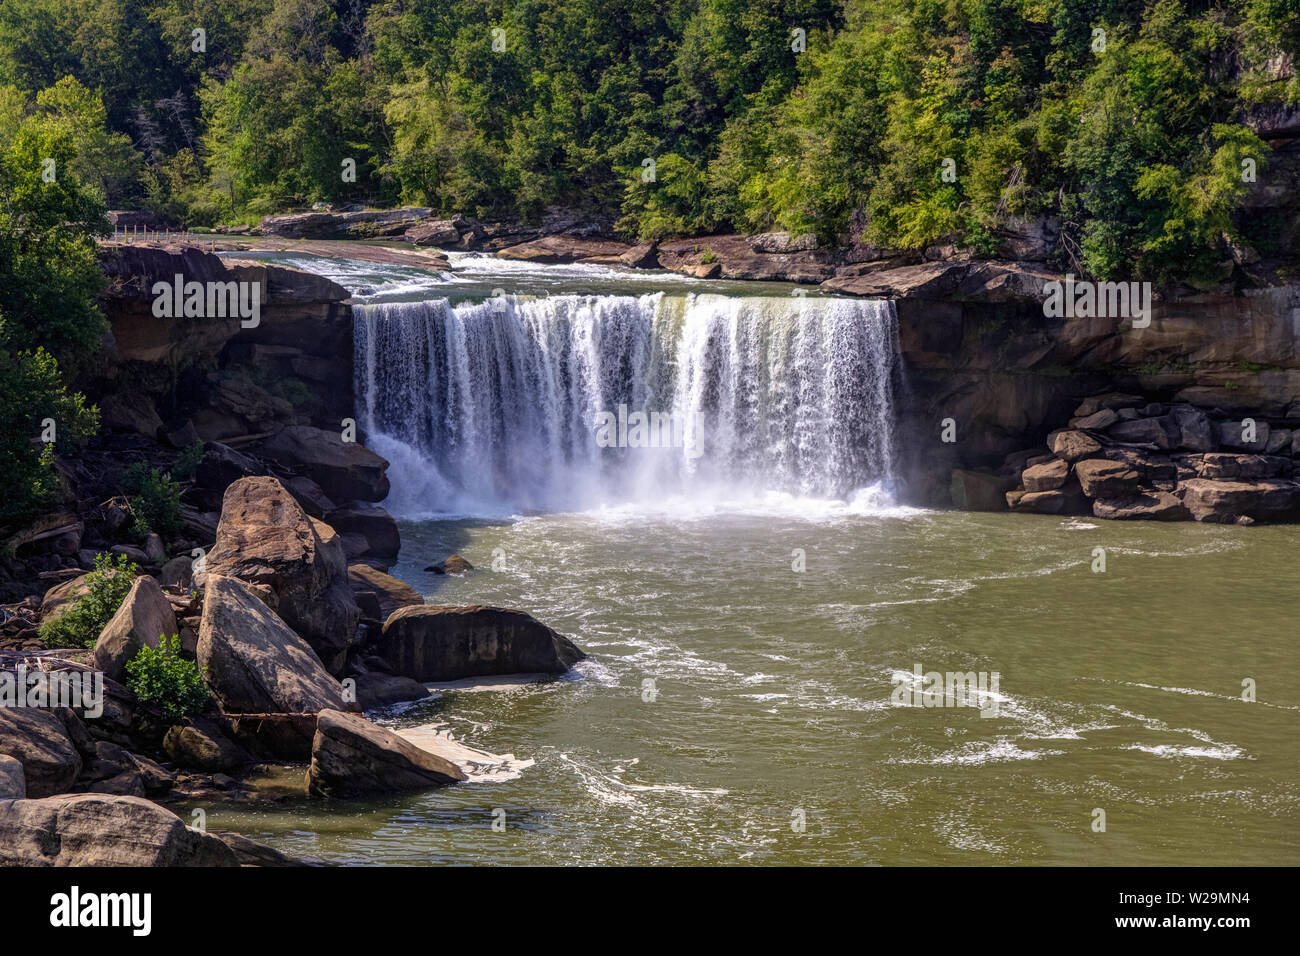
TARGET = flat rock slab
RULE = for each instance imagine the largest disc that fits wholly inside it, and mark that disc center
(352, 756)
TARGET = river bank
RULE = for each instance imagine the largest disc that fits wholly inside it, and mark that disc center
(298, 520)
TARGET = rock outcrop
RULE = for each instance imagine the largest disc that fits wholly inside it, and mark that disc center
(265, 539)
(91, 829)
(252, 661)
(40, 740)
(353, 757)
(379, 594)
(345, 470)
(13, 781)
(1126, 458)
(144, 617)
(442, 643)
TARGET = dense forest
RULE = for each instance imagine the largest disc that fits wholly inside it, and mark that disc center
(906, 121)
(899, 123)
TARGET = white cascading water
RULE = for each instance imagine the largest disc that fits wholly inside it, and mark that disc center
(493, 406)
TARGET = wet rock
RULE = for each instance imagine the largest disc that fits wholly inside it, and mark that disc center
(251, 853)
(439, 232)
(1224, 501)
(352, 757)
(266, 539)
(442, 643)
(253, 662)
(144, 616)
(1150, 506)
(454, 564)
(1066, 500)
(565, 248)
(345, 470)
(102, 830)
(1101, 478)
(643, 256)
(375, 689)
(272, 736)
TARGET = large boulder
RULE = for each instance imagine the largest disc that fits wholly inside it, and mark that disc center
(439, 232)
(13, 782)
(345, 470)
(266, 539)
(1196, 431)
(200, 744)
(1162, 432)
(379, 594)
(352, 757)
(1226, 501)
(145, 616)
(376, 689)
(372, 523)
(93, 829)
(1235, 435)
(1072, 445)
(253, 662)
(442, 643)
(565, 248)
(1102, 478)
(40, 740)
(1048, 476)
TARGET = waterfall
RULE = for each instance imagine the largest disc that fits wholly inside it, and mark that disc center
(533, 403)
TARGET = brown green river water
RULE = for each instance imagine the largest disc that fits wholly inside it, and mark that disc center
(768, 736)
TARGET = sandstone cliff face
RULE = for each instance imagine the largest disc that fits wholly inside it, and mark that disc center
(979, 350)
(294, 367)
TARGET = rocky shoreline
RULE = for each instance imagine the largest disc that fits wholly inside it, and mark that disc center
(273, 581)
(291, 651)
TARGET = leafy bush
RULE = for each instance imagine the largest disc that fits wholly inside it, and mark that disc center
(161, 675)
(155, 500)
(187, 462)
(79, 625)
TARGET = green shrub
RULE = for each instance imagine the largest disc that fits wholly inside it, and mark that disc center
(79, 626)
(161, 675)
(187, 462)
(155, 501)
